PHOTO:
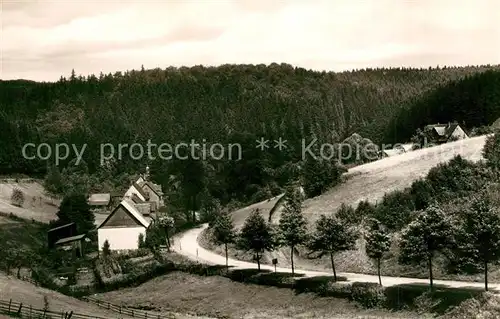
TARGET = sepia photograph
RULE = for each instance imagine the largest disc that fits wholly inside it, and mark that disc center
(250, 159)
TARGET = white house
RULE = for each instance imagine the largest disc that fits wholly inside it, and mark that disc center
(138, 191)
(122, 227)
(443, 133)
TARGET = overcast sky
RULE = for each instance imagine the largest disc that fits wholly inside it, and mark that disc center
(42, 40)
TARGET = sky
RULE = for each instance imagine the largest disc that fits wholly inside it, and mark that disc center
(42, 40)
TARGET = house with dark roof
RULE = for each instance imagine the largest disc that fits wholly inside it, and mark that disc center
(442, 133)
(136, 189)
(154, 194)
(57, 233)
(122, 227)
(77, 244)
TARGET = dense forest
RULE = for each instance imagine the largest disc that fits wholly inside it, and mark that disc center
(228, 104)
(473, 102)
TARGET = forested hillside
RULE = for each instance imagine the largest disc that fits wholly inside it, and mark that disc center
(474, 101)
(226, 104)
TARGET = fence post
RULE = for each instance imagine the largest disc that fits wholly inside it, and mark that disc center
(109, 306)
(120, 309)
(10, 302)
(146, 315)
(70, 314)
(132, 313)
(31, 309)
(20, 307)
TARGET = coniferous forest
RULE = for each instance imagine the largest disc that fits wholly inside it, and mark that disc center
(229, 104)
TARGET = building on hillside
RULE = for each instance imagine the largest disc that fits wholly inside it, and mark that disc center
(57, 233)
(391, 152)
(122, 227)
(99, 200)
(154, 194)
(406, 147)
(136, 189)
(77, 244)
(442, 133)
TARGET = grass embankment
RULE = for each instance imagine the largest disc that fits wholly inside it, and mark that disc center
(365, 182)
(215, 291)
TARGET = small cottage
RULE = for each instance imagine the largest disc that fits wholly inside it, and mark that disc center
(442, 133)
(57, 233)
(99, 200)
(74, 243)
(122, 227)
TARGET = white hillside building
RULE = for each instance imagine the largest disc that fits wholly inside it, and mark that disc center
(136, 189)
(122, 227)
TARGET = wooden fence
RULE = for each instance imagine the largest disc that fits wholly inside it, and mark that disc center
(21, 310)
(128, 311)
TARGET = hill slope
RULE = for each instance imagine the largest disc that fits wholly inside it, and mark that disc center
(37, 205)
(226, 104)
(365, 182)
(473, 101)
(371, 181)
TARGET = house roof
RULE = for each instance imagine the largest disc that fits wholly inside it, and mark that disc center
(60, 227)
(443, 130)
(130, 207)
(392, 152)
(99, 199)
(155, 187)
(69, 239)
(136, 199)
(140, 190)
(406, 147)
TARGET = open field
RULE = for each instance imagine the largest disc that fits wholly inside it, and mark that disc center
(371, 181)
(220, 296)
(28, 294)
(37, 205)
(365, 182)
(21, 291)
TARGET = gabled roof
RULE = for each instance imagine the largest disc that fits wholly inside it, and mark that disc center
(443, 130)
(69, 239)
(392, 152)
(60, 227)
(155, 187)
(405, 147)
(140, 190)
(99, 199)
(136, 199)
(129, 207)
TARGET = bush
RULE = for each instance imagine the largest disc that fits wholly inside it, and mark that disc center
(106, 250)
(17, 197)
(347, 214)
(140, 241)
(395, 210)
(368, 294)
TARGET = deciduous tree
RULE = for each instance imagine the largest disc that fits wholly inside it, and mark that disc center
(256, 235)
(292, 224)
(223, 231)
(479, 235)
(331, 236)
(378, 242)
(430, 233)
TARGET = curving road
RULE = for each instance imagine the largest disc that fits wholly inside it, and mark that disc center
(187, 244)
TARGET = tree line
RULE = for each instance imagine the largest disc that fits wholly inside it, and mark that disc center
(468, 237)
(226, 104)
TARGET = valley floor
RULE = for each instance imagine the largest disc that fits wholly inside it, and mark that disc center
(216, 296)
